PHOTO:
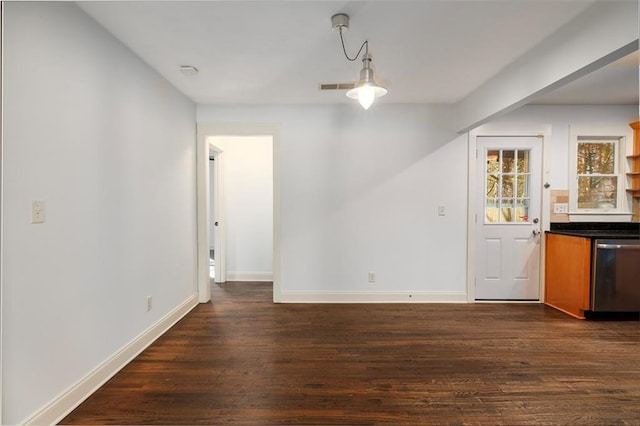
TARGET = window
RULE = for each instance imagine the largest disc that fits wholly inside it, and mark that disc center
(596, 175)
(507, 178)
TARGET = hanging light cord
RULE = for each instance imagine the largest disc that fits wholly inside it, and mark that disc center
(365, 45)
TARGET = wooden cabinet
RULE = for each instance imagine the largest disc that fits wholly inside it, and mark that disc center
(568, 273)
(634, 162)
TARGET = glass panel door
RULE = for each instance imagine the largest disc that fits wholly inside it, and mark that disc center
(507, 177)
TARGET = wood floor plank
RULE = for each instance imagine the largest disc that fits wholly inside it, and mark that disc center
(244, 360)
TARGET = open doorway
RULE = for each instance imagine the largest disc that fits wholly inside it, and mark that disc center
(247, 207)
(247, 239)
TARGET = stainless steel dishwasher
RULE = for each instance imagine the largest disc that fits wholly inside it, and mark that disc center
(615, 281)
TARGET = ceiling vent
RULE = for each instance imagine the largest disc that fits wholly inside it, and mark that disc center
(188, 70)
(337, 86)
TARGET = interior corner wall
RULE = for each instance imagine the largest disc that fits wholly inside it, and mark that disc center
(248, 193)
(109, 146)
(359, 193)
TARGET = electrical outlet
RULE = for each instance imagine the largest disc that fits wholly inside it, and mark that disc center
(442, 210)
(37, 211)
(149, 303)
(560, 208)
(372, 277)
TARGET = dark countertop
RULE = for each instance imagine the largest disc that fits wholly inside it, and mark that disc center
(609, 230)
(598, 234)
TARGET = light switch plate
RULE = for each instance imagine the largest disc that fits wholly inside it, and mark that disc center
(37, 211)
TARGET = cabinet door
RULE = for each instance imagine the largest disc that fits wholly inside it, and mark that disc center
(567, 273)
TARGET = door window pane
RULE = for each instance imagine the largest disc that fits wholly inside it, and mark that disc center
(507, 211)
(507, 186)
(491, 210)
(522, 186)
(522, 211)
(493, 161)
(523, 161)
(492, 186)
(508, 161)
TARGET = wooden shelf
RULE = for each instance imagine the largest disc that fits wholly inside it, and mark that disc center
(634, 160)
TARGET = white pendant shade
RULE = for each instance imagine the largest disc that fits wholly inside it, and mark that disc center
(365, 94)
(366, 90)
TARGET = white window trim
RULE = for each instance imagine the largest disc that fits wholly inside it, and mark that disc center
(622, 212)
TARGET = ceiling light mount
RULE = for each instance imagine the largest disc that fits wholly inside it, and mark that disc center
(340, 21)
(366, 90)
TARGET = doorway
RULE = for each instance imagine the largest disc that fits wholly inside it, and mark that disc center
(247, 207)
(508, 218)
(207, 132)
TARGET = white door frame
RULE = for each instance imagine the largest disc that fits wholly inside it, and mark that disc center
(218, 213)
(1, 206)
(205, 130)
(543, 132)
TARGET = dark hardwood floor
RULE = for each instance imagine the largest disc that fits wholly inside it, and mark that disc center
(245, 360)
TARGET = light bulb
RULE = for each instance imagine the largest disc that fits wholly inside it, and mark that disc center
(366, 95)
(366, 92)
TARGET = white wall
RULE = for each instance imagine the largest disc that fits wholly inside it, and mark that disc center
(359, 192)
(109, 146)
(248, 193)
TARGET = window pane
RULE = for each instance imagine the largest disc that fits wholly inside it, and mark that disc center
(507, 186)
(597, 192)
(523, 161)
(522, 211)
(522, 186)
(493, 161)
(491, 211)
(596, 158)
(508, 163)
(492, 186)
(507, 211)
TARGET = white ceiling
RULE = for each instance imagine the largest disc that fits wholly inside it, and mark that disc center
(278, 52)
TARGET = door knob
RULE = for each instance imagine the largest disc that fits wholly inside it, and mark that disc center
(536, 220)
(215, 223)
(536, 232)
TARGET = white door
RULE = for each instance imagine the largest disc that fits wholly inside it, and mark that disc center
(509, 178)
(216, 216)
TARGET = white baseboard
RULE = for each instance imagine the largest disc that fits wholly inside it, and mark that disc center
(249, 276)
(373, 297)
(57, 409)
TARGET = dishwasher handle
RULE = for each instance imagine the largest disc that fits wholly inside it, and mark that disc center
(619, 246)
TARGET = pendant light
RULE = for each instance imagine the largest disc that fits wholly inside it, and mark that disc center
(366, 90)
